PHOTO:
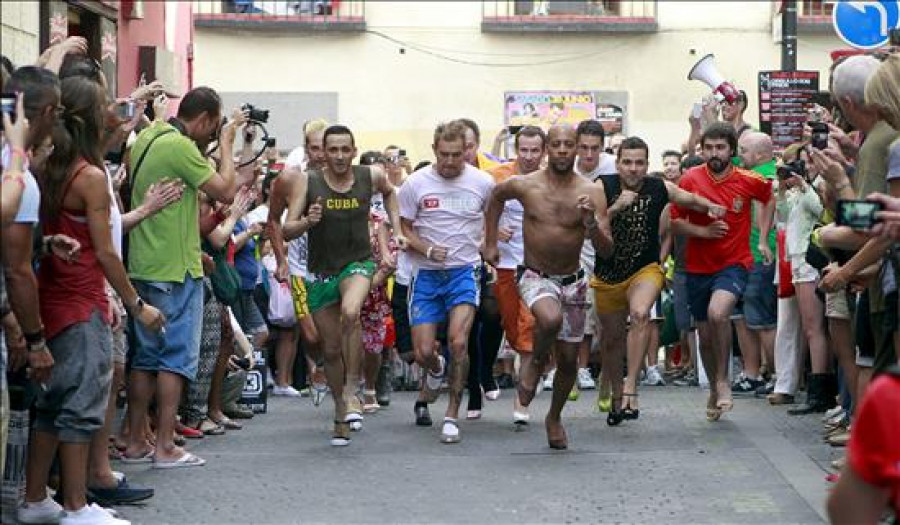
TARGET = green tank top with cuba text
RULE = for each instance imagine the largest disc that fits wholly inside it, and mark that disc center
(342, 236)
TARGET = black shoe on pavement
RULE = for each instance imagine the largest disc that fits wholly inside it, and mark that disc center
(120, 495)
(505, 382)
(383, 384)
(817, 399)
(765, 390)
(423, 416)
(747, 386)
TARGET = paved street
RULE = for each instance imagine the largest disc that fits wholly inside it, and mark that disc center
(757, 466)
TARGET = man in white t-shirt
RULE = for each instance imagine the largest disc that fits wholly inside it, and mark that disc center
(442, 215)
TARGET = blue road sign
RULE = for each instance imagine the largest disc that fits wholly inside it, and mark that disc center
(866, 25)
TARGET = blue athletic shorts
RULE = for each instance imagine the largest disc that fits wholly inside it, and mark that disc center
(433, 293)
(731, 279)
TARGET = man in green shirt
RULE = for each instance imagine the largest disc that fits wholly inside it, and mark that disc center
(759, 314)
(164, 262)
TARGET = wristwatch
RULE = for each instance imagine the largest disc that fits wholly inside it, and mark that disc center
(38, 346)
(136, 307)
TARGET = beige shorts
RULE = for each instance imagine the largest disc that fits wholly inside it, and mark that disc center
(837, 306)
(802, 272)
(570, 291)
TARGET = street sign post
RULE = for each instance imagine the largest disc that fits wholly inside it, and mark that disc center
(866, 25)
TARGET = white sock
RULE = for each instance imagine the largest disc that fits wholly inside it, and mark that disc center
(450, 428)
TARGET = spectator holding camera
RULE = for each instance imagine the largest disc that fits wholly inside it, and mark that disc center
(799, 201)
(164, 261)
(849, 85)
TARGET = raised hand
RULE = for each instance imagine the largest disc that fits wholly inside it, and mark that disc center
(314, 215)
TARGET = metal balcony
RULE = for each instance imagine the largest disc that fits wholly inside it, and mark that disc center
(555, 16)
(261, 15)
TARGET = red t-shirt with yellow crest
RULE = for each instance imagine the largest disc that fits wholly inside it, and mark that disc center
(734, 192)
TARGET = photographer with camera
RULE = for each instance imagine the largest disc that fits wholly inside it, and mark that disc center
(171, 278)
(800, 202)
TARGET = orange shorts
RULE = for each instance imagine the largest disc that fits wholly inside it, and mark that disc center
(515, 317)
(612, 298)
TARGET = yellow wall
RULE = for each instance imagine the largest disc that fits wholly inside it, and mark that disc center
(387, 96)
(19, 31)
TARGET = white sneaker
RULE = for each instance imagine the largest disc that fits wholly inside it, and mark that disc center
(585, 381)
(92, 514)
(832, 412)
(653, 377)
(47, 511)
(548, 381)
(270, 381)
(286, 391)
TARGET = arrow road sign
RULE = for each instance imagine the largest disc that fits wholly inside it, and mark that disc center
(866, 25)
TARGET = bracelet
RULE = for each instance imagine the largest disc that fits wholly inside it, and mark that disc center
(38, 346)
(14, 176)
(19, 151)
(428, 252)
(136, 307)
(34, 337)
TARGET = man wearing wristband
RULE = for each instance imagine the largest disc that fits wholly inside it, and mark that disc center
(561, 210)
(41, 95)
(442, 214)
(332, 205)
(627, 283)
(164, 261)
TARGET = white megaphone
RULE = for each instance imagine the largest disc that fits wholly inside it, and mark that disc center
(705, 71)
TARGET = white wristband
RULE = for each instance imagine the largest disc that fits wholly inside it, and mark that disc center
(428, 252)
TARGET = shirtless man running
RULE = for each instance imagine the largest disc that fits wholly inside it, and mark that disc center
(561, 210)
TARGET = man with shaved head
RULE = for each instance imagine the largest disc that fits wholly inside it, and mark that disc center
(561, 209)
(757, 317)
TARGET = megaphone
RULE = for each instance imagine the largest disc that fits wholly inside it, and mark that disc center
(705, 71)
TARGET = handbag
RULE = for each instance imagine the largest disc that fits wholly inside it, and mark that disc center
(225, 280)
(785, 276)
(281, 304)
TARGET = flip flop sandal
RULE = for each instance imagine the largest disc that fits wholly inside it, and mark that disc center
(146, 457)
(114, 453)
(228, 423)
(186, 460)
(211, 428)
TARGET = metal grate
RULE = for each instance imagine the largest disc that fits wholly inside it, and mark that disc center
(310, 11)
(556, 11)
(815, 8)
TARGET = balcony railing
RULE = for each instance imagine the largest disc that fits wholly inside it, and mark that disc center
(326, 15)
(814, 16)
(569, 16)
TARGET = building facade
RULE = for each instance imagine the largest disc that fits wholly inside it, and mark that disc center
(392, 70)
(129, 38)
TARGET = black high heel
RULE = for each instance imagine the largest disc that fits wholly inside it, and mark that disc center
(615, 416)
(631, 413)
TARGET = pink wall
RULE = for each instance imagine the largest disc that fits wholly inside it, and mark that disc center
(151, 31)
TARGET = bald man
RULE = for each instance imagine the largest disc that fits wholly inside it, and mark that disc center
(561, 209)
(755, 319)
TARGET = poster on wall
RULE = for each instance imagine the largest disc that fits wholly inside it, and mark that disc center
(785, 98)
(546, 108)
